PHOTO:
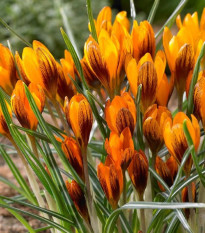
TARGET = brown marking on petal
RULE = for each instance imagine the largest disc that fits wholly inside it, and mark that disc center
(124, 119)
(147, 76)
(126, 158)
(85, 121)
(184, 64)
(49, 71)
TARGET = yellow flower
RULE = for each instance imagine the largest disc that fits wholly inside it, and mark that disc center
(39, 66)
(151, 75)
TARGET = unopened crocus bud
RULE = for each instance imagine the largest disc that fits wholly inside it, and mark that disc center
(167, 170)
(7, 70)
(153, 126)
(79, 114)
(175, 139)
(120, 148)
(111, 179)
(21, 107)
(4, 130)
(72, 152)
(121, 113)
(78, 199)
(138, 172)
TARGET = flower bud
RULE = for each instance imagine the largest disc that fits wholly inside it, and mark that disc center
(79, 115)
(21, 107)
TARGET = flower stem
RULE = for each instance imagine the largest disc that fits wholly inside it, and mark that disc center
(51, 113)
(90, 201)
(32, 180)
(33, 145)
(63, 121)
(124, 194)
(180, 101)
(142, 215)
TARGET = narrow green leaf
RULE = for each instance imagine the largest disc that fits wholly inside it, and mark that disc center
(139, 120)
(14, 32)
(12, 185)
(171, 19)
(49, 212)
(19, 178)
(153, 11)
(31, 132)
(95, 99)
(42, 219)
(149, 205)
(17, 216)
(190, 104)
(91, 20)
(193, 153)
(132, 10)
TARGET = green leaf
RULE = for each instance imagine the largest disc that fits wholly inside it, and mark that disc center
(90, 17)
(31, 132)
(12, 185)
(153, 11)
(17, 216)
(190, 104)
(171, 19)
(193, 153)
(139, 120)
(149, 205)
(132, 10)
(42, 219)
(35, 207)
(14, 32)
(19, 178)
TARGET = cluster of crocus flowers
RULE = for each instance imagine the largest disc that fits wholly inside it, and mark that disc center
(175, 138)
(7, 70)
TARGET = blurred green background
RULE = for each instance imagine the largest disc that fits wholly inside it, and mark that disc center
(42, 19)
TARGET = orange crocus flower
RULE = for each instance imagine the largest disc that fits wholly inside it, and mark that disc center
(120, 149)
(153, 126)
(104, 20)
(79, 114)
(4, 130)
(175, 139)
(138, 172)
(78, 198)
(167, 170)
(121, 113)
(21, 107)
(111, 179)
(107, 56)
(73, 153)
(143, 39)
(151, 75)
(7, 70)
(39, 66)
(180, 55)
